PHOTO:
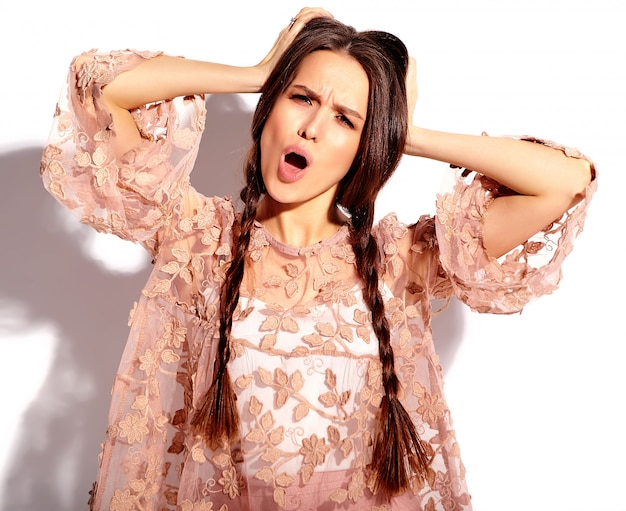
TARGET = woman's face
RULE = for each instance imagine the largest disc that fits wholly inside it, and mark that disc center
(311, 136)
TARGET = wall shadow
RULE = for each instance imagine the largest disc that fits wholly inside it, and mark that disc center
(54, 459)
(57, 285)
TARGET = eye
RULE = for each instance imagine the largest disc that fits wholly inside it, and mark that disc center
(302, 98)
(344, 120)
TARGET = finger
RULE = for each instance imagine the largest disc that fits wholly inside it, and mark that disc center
(289, 32)
(305, 15)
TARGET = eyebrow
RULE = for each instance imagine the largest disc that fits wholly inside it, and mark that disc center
(341, 108)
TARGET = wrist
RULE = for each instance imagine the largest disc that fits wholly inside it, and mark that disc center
(258, 75)
(414, 140)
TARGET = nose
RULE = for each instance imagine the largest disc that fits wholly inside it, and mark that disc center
(310, 127)
(304, 135)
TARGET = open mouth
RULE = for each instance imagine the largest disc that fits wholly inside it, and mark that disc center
(296, 160)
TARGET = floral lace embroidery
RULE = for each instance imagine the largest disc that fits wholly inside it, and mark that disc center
(305, 365)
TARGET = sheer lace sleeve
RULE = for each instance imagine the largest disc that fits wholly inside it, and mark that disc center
(507, 284)
(131, 196)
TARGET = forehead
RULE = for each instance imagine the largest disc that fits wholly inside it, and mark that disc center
(336, 74)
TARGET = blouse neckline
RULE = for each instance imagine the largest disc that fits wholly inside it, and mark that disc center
(337, 237)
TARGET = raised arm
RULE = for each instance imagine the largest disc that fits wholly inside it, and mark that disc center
(165, 77)
(547, 181)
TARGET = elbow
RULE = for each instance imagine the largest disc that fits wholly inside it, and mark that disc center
(583, 174)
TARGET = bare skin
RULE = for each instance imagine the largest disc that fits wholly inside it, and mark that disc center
(548, 182)
(321, 114)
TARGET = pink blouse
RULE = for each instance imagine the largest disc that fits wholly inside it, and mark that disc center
(305, 361)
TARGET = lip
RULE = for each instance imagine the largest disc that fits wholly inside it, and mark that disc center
(290, 173)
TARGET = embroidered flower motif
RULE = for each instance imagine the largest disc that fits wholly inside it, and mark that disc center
(149, 362)
(133, 427)
(258, 241)
(356, 487)
(314, 450)
(431, 408)
(337, 291)
(343, 251)
(88, 73)
(187, 505)
(446, 209)
(470, 244)
(392, 227)
(205, 217)
(444, 485)
(219, 271)
(122, 501)
(231, 482)
(49, 163)
(174, 334)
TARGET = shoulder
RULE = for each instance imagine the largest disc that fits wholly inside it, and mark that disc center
(407, 252)
(395, 236)
(203, 214)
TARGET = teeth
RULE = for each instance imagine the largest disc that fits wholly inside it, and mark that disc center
(295, 159)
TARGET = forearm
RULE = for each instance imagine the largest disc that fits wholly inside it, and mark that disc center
(163, 78)
(167, 77)
(526, 167)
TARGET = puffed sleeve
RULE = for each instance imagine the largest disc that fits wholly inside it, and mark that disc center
(507, 284)
(131, 196)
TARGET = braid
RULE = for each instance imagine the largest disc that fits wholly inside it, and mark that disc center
(217, 419)
(397, 450)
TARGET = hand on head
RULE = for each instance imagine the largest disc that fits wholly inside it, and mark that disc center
(288, 34)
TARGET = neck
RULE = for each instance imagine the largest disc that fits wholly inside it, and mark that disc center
(299, 225)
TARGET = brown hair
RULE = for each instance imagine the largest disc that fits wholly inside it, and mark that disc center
(398, 453)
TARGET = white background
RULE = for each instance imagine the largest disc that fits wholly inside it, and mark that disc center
(538, 398)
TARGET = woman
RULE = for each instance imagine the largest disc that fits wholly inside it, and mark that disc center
(281, 357)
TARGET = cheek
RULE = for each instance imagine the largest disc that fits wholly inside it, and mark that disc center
(347, 157)
(345, 151)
